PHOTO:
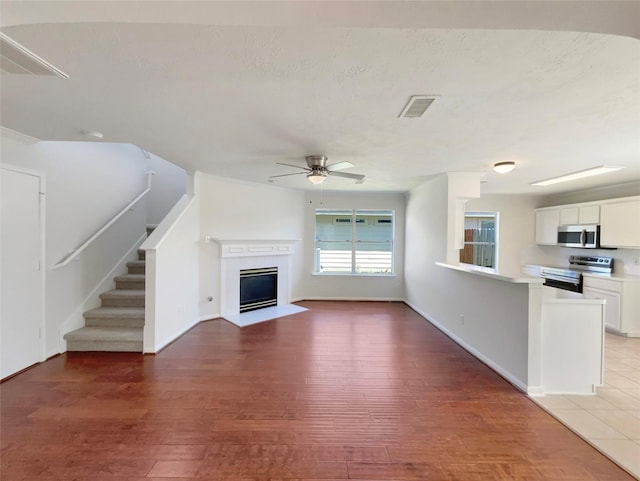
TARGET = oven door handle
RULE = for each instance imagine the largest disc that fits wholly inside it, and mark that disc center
(566, 280)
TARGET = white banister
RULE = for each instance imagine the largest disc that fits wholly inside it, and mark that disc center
(78, 250)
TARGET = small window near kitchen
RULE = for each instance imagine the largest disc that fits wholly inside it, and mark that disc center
(480, 239)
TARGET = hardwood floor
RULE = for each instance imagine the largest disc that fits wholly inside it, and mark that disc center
(349, 390)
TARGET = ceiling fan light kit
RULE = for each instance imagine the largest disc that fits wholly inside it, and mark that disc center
(504, 167)
(316, 177)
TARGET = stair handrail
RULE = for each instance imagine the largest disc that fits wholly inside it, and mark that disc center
(74, 253)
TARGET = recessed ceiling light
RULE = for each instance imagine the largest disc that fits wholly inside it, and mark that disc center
(504, 167)
(581, 174)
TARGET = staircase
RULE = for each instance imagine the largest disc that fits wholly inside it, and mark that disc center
(116, 326)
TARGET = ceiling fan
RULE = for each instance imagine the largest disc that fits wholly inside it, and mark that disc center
(317, 170)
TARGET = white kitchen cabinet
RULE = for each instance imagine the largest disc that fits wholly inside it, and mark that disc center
(547, 222)
(611, 308)
(580, 214)
(568, 215)
(589, 214)
(622, 310)
(620, 223)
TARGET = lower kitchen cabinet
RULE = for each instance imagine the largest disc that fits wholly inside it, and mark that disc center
(622, 309)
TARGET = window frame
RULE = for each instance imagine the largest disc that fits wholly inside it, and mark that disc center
(353, 214)
(495, 243)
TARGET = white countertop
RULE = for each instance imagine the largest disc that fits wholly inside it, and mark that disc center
(534, 269)
(517, 278)
(615, 276)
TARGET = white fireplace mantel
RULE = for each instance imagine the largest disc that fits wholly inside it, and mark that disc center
(253, 247)
(238, 254)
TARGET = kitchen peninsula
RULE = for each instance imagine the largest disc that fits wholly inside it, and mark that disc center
(539, 343)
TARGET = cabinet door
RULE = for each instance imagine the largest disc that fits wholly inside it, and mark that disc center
(589, 214)
(620, 224)
(611, 308)
(547, 222)
(568, 215)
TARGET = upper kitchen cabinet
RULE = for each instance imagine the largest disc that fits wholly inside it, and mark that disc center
(620, 223)
(547, 222)
(580, 214)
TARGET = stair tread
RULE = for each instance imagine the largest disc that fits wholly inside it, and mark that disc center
(123, 293)
(101, 334)
(119, 312)
(136, 263)
(130, 277)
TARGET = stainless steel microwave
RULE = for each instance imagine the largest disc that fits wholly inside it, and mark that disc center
(584, 236)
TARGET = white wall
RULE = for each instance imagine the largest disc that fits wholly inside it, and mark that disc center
(231, 209)
(345, 286)
(168, 185)
(516, 228)
(87, 184)
(172, 266)
(496, 332)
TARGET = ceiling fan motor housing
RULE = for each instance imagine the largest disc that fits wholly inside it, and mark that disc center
(316, 161)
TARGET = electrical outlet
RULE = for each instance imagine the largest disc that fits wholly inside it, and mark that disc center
(462, 319)
(636, 261)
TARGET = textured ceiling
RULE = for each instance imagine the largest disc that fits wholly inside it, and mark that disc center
(231, 98)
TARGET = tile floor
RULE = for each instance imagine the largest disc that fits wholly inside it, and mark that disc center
(610, 420)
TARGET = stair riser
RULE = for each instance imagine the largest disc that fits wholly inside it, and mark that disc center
(106, 346)
(141, 255)
(118, 302)
(130, 285)
(135, 269)
(113, 322)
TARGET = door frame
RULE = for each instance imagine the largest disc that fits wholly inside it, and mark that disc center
(42, 354)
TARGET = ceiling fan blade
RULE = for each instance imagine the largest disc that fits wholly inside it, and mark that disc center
(358, 177)
(292, 165)
(286, 175)
(340, 165)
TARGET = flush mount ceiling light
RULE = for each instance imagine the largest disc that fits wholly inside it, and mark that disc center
(316, 177)
(504, 167)
(581, 174)
(93, 133)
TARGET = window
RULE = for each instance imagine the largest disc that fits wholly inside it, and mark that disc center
(480, 239)
(354, 242)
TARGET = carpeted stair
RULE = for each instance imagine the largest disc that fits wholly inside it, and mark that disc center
(118, 324)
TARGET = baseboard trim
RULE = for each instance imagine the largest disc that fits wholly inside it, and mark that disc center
(160, 346)
(356, 299)
(474, 352)
(209, 317)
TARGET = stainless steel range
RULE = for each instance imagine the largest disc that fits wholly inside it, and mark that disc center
(570, 278)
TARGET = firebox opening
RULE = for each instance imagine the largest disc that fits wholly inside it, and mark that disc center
(258, 288)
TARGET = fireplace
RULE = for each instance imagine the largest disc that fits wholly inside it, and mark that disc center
(255, 256)
(258, 288)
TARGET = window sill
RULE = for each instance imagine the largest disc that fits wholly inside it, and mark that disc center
(349, 274)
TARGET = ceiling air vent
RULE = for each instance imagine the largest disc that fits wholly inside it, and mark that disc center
(16, 59)
(416, 106)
